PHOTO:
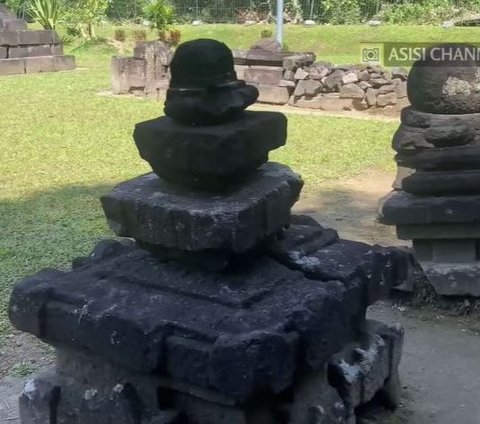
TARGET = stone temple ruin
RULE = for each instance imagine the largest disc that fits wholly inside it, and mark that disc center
(435, 201)
(215, 305)
(281, 78)
(23, 51)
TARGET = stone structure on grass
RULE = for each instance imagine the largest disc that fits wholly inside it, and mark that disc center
(297, 79)
(281, 78)
(146, 73)
(219, 306)
(436, 197)
(26, 51)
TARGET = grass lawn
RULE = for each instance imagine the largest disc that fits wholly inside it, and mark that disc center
(62, 145)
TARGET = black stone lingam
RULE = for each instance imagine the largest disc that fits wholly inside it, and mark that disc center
(204, 89)
(219, 307)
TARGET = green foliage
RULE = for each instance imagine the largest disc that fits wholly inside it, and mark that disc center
(120, 35)
(45, 12)
(266, 33)
(16, 6)
(160, 13)
(121, 10)
(84, 14)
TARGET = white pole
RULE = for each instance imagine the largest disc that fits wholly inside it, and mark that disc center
(279, 32)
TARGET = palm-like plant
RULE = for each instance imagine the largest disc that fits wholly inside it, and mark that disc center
(45, 12)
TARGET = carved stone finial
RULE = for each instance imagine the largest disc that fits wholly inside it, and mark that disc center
(204, 89)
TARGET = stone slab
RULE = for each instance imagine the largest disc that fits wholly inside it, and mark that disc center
(3, 52)
(12, 66)
(438, 183)
(210, 156)
(263, 75)
(360, 371)
(30, 38)
(438, 231)
(238, 333)
(446, 251)
(9, 38)
(17, 52)
(151, 210)
(400, 208)
(272, 94)
(39, 64)
(64, 63)
(127, 74)
(453, 158)
(450, 279)
(39, 50)
(13, 24)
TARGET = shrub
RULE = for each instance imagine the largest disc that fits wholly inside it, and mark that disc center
(175, 37)
(139, 35)
(120, 35)
(266, 33)
(45, 12)
(160, 14)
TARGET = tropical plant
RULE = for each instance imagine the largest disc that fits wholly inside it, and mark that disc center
(86, 14)
(45, 12)
(120, 35)
(139, 35)
(160, 13)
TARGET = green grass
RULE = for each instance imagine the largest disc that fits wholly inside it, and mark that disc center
(339, 44)
(62, 145)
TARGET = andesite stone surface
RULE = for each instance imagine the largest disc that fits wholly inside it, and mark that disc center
(236, 220)
(435, 201)
(217, 306)
(210, 156)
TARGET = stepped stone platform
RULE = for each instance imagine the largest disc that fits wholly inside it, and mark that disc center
(24, 51)
(218, 306)
(436, 195)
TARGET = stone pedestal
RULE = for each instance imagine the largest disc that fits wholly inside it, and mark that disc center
(436, 197)
(24, 51)
(219, 306)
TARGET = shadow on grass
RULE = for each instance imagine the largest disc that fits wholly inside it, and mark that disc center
(47, 229)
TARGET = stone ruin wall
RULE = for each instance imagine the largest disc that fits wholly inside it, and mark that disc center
(282, 78)
(23, 51)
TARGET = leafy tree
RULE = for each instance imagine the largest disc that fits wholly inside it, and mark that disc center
(86, 14)
(45, 12)
(160, 13)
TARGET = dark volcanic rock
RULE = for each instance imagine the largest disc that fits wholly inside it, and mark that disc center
(237, 333)
(399, 208)
(210, 157)
(439, 183)
(211, 94)
(155, 212)
(446, 87)
(460, 158)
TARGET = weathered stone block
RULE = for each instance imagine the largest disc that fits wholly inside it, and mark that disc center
(438, 231)
(3, 52)
(263, 75)
(240, 70)
(48, 37)
(64, 63)
(351, 91)
(12, 66)
(210, 157)
(272, 94)
(451, 158)
(57, 49)
(127, 73)
(30, 38)
(14, 24)
(433, 183)
(327, 103)
(258, 325)
(40, 50)
(399, 208)
(454, 279)
(9, 38)
(236, 220)
(386, 99)
(39, 64)
(17, 52)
